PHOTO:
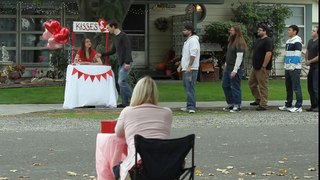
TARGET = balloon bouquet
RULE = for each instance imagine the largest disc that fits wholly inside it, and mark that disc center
(56, 35)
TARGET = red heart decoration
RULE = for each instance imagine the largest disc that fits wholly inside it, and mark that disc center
(102, 25)
(62, 36)
(53, 27)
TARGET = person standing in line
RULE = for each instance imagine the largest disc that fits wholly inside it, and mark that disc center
(189, 66)
(261, 65)
(312, 60)
(121, 45)
(233, 71)
(292, 66)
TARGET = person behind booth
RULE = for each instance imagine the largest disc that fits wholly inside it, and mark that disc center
(87, 55)
(143, 117)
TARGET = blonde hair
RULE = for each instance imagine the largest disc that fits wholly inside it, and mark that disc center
(145, 91)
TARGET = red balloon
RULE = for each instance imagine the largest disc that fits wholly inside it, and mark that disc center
(53, 27)
(62, 36)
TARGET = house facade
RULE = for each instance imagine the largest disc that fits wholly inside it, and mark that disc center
(21, 27)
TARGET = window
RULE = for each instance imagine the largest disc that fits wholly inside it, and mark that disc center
(33, 17)
(8, 28)
(134, 26)
(298, 18)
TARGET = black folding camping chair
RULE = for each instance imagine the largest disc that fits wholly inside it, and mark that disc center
(163, 159)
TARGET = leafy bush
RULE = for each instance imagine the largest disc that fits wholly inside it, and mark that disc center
(218, 32)
(59, 62)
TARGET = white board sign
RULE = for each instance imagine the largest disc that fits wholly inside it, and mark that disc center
(81, 26)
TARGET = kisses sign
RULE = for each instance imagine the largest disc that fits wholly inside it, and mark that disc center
(100, 26)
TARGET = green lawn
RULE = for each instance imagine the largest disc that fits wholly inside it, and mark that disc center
(169, 92)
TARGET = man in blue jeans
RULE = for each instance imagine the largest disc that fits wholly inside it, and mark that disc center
(121, 45)
(292, 66)
(189, 66)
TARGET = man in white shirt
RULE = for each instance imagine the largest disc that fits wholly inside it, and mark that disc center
(189, 66)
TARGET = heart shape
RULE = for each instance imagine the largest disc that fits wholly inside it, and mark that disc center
(62, 36)
(53, 27)
(102, 25)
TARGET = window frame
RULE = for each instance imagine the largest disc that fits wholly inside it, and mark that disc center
(303, 26)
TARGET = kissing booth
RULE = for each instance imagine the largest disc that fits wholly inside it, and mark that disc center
(90, 85)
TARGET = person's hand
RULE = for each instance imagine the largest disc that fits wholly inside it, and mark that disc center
(179, 69)
(188, 69)
(126, 66)
(233, 74)
(84, 63)
(308, 62)
(264, 69)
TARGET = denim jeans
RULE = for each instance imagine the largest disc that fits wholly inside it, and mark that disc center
(124, 86)
(313, 86)
(232, 87)
(293, 84)
(189, 79)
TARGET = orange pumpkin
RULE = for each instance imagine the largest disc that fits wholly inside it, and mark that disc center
(161, 66)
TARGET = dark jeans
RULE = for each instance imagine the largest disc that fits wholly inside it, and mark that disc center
(313, 86)
(116, 171)
(293, 84)
(232, 87)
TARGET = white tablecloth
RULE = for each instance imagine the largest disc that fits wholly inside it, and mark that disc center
(90, 85)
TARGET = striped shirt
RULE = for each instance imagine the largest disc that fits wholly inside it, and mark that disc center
(292, 58)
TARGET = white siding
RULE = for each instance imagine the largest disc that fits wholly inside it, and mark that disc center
(161, 42)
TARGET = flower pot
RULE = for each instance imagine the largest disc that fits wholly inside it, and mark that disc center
(14, 75)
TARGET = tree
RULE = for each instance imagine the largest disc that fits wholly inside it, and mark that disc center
(108, 9)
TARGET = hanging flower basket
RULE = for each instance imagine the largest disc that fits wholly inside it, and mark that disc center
(161, 24)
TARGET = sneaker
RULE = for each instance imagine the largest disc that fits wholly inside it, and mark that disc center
(121, 106)
(235, 109)
(191, 111)
(295, 109)
(184, 109)
(254, 103)
(284, 108)
(312, 109)
(226, 109)
(260, 108)
(309, 109)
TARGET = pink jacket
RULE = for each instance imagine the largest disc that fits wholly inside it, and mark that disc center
(148, 120)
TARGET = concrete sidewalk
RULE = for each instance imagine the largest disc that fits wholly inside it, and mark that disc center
(14, 109)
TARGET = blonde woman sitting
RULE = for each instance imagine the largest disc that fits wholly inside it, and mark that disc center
(143, 117)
